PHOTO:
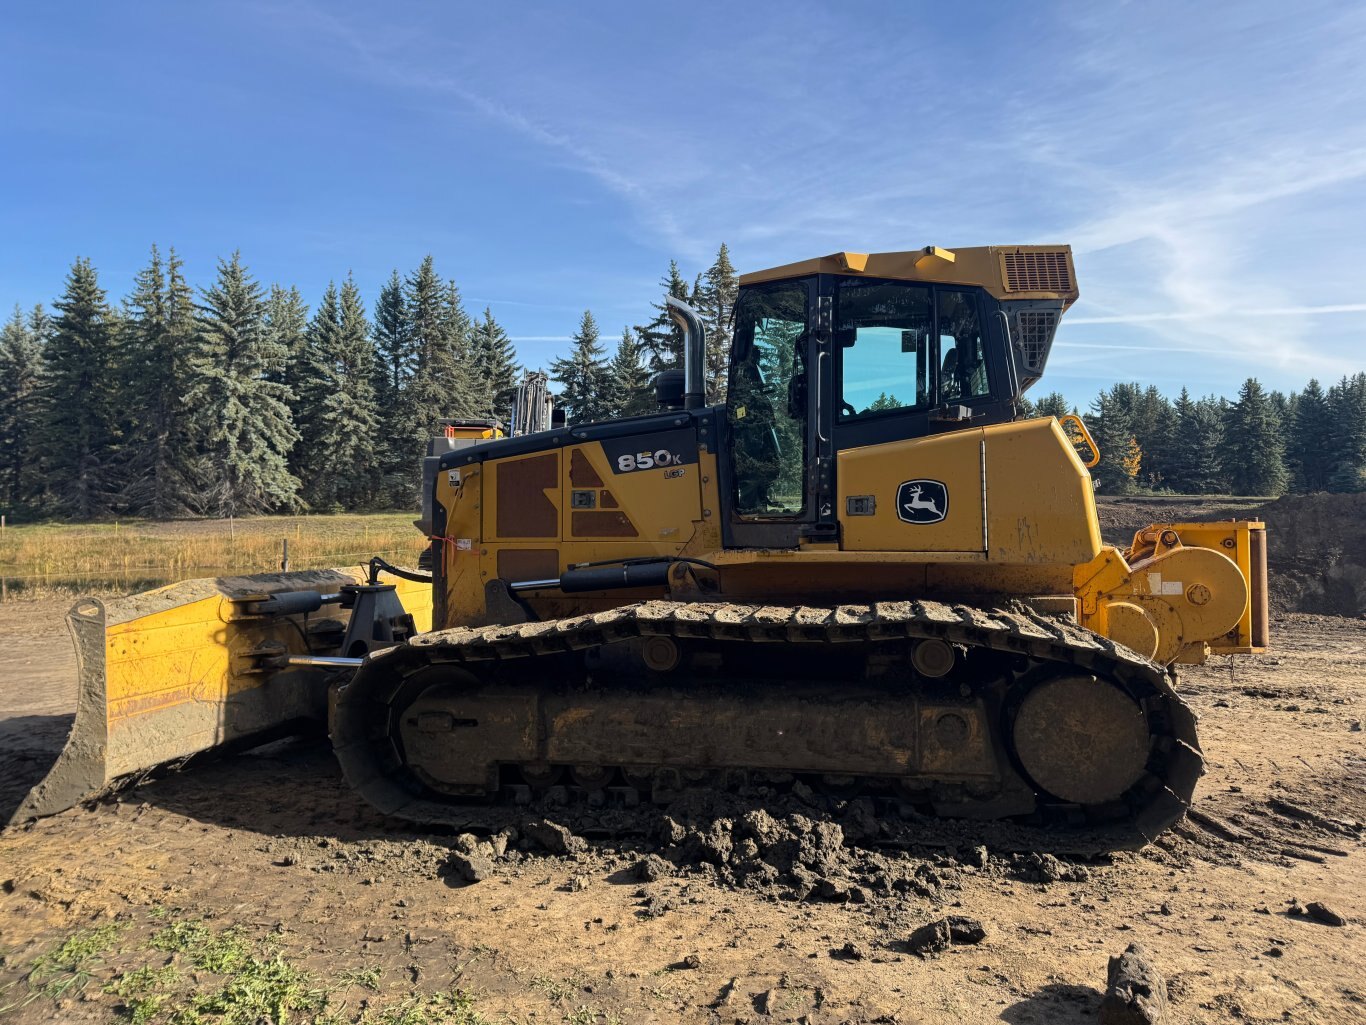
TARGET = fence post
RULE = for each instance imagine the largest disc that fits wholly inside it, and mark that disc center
(284, 555)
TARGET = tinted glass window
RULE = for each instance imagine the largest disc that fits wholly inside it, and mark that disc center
(963, 368)
(883, 334)
(767, 400)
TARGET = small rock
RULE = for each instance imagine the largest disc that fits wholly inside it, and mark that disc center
(579, 883)
(1165, 909)
(1135, 993)
(1320, 912)
(953, 930)
(552, 836)
(851, 951)
(691, 961)
(287, 861)
(500, 842)
(1275, 952)
(473, 868)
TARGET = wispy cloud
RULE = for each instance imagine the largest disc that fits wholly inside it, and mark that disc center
(1203, 163)
(1270, 311)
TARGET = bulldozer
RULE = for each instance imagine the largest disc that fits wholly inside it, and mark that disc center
(868, 572)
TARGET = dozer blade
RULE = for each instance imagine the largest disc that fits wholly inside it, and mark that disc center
(190, 667)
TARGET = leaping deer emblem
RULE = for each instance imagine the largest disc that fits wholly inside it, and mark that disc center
(917, 502)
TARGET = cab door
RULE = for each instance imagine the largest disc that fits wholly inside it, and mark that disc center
(779, 483)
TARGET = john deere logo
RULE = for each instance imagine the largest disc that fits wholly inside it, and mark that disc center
(922, 501)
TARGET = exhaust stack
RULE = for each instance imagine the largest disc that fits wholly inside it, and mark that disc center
(694, 352)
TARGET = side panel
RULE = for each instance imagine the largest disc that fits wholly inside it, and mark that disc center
(459, 494)
(926, 495)
(1041, 507)
(639, 489)
(530, 516)
(1013, 494)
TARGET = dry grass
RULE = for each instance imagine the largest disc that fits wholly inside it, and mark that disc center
(140, 552)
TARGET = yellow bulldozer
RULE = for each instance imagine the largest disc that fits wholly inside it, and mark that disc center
(865, 572)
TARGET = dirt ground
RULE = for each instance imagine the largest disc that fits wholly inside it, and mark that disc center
(271, 847)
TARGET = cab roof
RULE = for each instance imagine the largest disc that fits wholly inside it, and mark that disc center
(1006, 272)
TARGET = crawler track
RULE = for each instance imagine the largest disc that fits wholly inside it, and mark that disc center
(370, 755)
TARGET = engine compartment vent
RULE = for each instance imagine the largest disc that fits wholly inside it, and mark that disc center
(1044, 270)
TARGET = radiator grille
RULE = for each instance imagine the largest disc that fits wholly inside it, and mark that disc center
(1038, 271)
(1034, 336)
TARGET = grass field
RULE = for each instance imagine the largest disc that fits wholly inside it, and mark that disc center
(144, 552)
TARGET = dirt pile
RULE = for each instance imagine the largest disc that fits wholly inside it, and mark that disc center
(1316, 554)
(796, 846)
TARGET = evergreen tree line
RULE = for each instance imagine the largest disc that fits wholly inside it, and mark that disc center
(1261, 443)
(238, 399)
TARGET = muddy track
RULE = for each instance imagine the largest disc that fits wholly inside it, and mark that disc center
(1160, 798)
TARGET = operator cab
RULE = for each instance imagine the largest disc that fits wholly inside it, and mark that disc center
(853, 350)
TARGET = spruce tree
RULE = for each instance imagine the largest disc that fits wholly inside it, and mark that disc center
(438, 336)
(468, 393)
(316, 379)
(1205, 438)
(1120, 456)
(75, 430)
(162, 474)
(661, 339)
(628, 385)
(1052, 404)
(1154, 421)
(1308, 448)
(21, 355)
(1347, 408)
(394, 358)
(241, 409)
(395, 365)
(287, 323)
(495, 365)
(339, 424)
(583, 374)
(716, 301)
(1254, 446)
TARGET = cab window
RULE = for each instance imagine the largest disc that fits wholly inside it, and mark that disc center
(883, 335)
(767, 401)
(963, 369)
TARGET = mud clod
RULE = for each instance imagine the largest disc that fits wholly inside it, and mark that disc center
(950, 931)
(1135, 992)
(836, 890)
(652, 868)
(552, 836)
(1036, 867)
(472, 867)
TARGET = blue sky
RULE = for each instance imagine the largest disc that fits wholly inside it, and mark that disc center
(1206, 161)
